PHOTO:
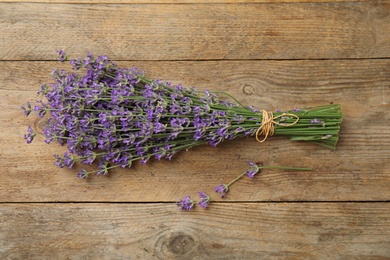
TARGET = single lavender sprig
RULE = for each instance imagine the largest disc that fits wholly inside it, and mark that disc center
(117, 116)
(222, 189)
(251, 172)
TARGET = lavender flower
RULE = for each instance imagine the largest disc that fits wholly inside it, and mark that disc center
(83, 174)
(30, 135)
(68, 160)
(103, 167)
(116, 116)
(61, 55)
(253, 170)
(59, 161)
(27, 109)
(221, 189)
(204, 199)
(76, 64)
(186, 203)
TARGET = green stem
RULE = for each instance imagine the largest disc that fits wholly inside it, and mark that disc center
(224, 93)
(270, 167)
(236, 179)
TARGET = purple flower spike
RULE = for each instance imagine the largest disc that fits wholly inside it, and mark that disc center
(204, 199)
(68, 160)
(253, 170)
(186, 203)
(221, 189)
(27, 109)
(30, 135)
(103, 168)
(83, 174)
(61, 55)
(76, 64)
(59, 161)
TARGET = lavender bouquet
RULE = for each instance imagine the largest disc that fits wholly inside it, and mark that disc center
(115, 116)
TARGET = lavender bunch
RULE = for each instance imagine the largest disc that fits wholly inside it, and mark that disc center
(204, 199)
(115, 116)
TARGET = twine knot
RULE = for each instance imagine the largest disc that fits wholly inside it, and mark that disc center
(267, 127)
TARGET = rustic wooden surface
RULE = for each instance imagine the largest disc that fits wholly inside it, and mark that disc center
(271, 54)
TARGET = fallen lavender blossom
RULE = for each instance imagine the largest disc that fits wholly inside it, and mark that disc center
(204, 199)
(115, 116)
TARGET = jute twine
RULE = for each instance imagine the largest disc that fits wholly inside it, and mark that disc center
(268, 123)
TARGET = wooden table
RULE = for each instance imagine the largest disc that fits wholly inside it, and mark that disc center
(270, 54)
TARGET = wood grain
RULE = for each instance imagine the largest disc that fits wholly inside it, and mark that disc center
(357, 171)
(175, 1)
(224, 231)
(268, 53)
(197, 32)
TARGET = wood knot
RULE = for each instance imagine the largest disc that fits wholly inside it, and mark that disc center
(176, 245)
(248, 90)
(181, 244)
(40, 124)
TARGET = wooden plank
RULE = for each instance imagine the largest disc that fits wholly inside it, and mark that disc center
(197, 32)
(358, 170)
(225, 231)
(175, 1)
